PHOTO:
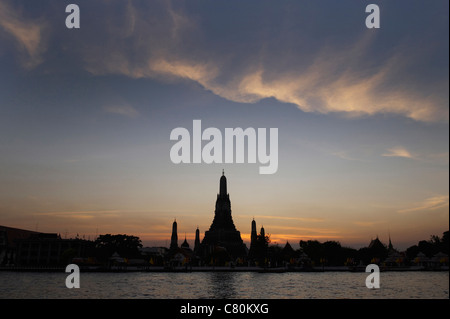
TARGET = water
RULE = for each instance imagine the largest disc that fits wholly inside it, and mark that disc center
(229, 285)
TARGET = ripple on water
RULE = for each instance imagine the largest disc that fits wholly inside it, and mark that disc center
(228, 285)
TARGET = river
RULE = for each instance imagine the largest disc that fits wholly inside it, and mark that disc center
(228, 285)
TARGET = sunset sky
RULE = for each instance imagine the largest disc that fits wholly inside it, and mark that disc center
(362, 117)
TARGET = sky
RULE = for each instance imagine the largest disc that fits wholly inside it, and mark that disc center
(362, 117)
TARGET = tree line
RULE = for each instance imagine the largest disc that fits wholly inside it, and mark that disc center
(330, 253)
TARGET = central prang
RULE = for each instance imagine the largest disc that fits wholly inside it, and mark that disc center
(223, 234)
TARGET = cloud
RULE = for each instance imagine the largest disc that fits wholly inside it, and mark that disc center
(366, 223)
(425, 157)
(344, 155)
(431, 203)
(28, 34)
(198, 72)
(305, 230)
(336, 79)
(398, 152)
(270, 57)
(86, 214)
(124, 109)
(302, 219)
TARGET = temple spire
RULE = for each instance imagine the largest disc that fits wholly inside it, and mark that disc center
(174, 238)
(253, 235)
(390, 247)
(223, 185)
(197, 241)
(222, 231)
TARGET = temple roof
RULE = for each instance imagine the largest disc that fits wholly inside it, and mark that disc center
(376, 243)
(185, 244)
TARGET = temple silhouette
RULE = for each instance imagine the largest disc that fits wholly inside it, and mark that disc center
(222, 232)
(222, 241)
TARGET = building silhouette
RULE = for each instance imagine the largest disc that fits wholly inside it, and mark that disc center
(20, 247)
(222, 235)
(197, 244)
(185, 244)
(253, 241)
(174, 238)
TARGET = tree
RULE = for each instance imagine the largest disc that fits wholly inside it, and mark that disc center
(124, 245)
(261, 249)
(274, 254)
(332, 251)
(428, 248)
(313, 249)
(444, 244)
(412, 252)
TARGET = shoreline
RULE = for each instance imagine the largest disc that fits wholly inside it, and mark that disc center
(216, 269)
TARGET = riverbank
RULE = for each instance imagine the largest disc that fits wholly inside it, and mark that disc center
(216, 269)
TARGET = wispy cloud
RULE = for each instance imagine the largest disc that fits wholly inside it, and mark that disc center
(327, 87)
(123, 109)
(335, 79)
(302, 219)
(398, 152)
(165, 41)
(344, 155)
(423, 156)
(28, 34)
(431, 203)
(366, 223)
(304, 230)
(85, 214)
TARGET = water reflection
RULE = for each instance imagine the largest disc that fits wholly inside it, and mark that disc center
(222, 285)
(225, 285)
